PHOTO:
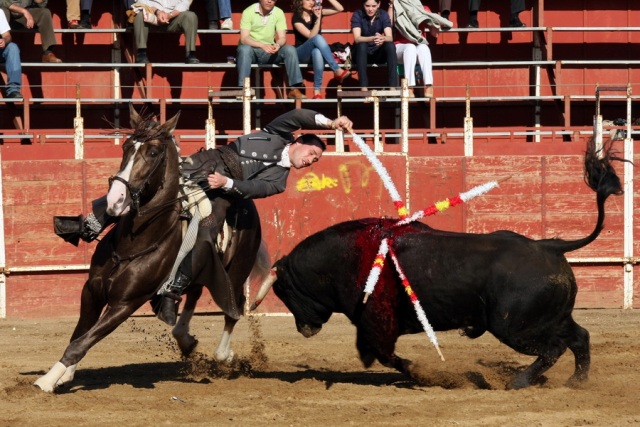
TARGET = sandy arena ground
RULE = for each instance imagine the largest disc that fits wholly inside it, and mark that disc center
(135, 377)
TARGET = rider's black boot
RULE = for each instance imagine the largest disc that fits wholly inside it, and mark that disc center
(74, 228)
(168, 310)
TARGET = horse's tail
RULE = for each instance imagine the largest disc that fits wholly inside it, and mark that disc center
(601, 177)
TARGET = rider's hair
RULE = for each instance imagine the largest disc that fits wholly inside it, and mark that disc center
(311, 139)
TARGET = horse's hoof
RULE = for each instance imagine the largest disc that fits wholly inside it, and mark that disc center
(188, 349)
(227, 360)
(47, 388)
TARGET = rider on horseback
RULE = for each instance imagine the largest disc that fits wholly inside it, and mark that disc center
(254, 166)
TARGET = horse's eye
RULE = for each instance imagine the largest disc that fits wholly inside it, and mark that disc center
(154, 152)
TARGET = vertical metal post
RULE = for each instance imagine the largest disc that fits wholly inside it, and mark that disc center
(339, 135)
(597, 122)
(3, 258)
(246, 106)
(377, 144)
(210, 124)
(78, 128)
(468, 127)
(404, 116)
(628, 210)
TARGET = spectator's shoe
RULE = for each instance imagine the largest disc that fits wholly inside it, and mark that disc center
(74, 24)
(191, 59)
(342, 74)
(428, 91)
(50, 57)
(516, 23)
(14, 95)
(473, 23)
(296, 94)
(318, 96)
(85, 21)
(227, 24)
(141, 58)
(213, 25)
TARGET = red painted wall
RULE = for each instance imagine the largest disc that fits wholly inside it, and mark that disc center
(544, 197)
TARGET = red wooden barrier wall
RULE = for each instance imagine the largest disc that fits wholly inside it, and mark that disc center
(545, 197)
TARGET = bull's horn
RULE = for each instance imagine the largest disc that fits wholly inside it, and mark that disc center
(264, 288)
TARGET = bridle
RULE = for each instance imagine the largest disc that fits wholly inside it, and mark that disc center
(135, 193)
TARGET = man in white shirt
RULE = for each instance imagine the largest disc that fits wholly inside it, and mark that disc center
(10, 57)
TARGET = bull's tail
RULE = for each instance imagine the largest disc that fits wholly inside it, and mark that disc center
(601, 177)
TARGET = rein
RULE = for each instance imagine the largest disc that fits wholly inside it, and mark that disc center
(118, 259)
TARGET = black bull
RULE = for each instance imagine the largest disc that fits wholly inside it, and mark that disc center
(521, 290)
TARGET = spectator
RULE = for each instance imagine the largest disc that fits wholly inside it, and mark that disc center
(517, 6)
(371, 28)
(169, 15)
(77, 16)
(33, 14)
(219, 10)
(10, 57)
(310, 45)
(408, 51)
(263, 40)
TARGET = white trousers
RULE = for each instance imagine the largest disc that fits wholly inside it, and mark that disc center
(408, 53)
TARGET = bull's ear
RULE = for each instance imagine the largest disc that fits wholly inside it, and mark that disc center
(134, 117)
(170, 125)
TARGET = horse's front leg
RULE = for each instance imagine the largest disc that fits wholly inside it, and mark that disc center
(224, 352)
(187, 342)
(63, 371)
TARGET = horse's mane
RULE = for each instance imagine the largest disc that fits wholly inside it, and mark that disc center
(148, 129)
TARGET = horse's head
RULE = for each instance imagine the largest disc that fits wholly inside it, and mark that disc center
(144, 161)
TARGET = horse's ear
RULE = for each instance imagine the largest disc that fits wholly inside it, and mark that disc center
(134, 117)
(170, 125)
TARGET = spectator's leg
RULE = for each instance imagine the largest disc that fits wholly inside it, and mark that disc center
(186, 23)
(288, 55)
(390, 58)
(213, 13)
(42, 18)
(317, 61)
(517, 6)
(406, 54)
(11, 59)
(424, 59)
(73, 13)
(141, 35)
(85, 13)
(225, 9)
(304, 52)
(361, 57)
(445, 8)
(246, 56)
(474, 6)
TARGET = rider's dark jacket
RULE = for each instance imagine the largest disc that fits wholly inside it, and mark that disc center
(258, 154)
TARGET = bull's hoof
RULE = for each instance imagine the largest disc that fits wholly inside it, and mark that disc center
(518, 383)
(576, 381)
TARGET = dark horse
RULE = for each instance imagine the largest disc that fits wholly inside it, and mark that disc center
(136, 256)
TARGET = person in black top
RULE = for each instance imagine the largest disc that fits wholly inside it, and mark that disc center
(310, 44)
(372, 34)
